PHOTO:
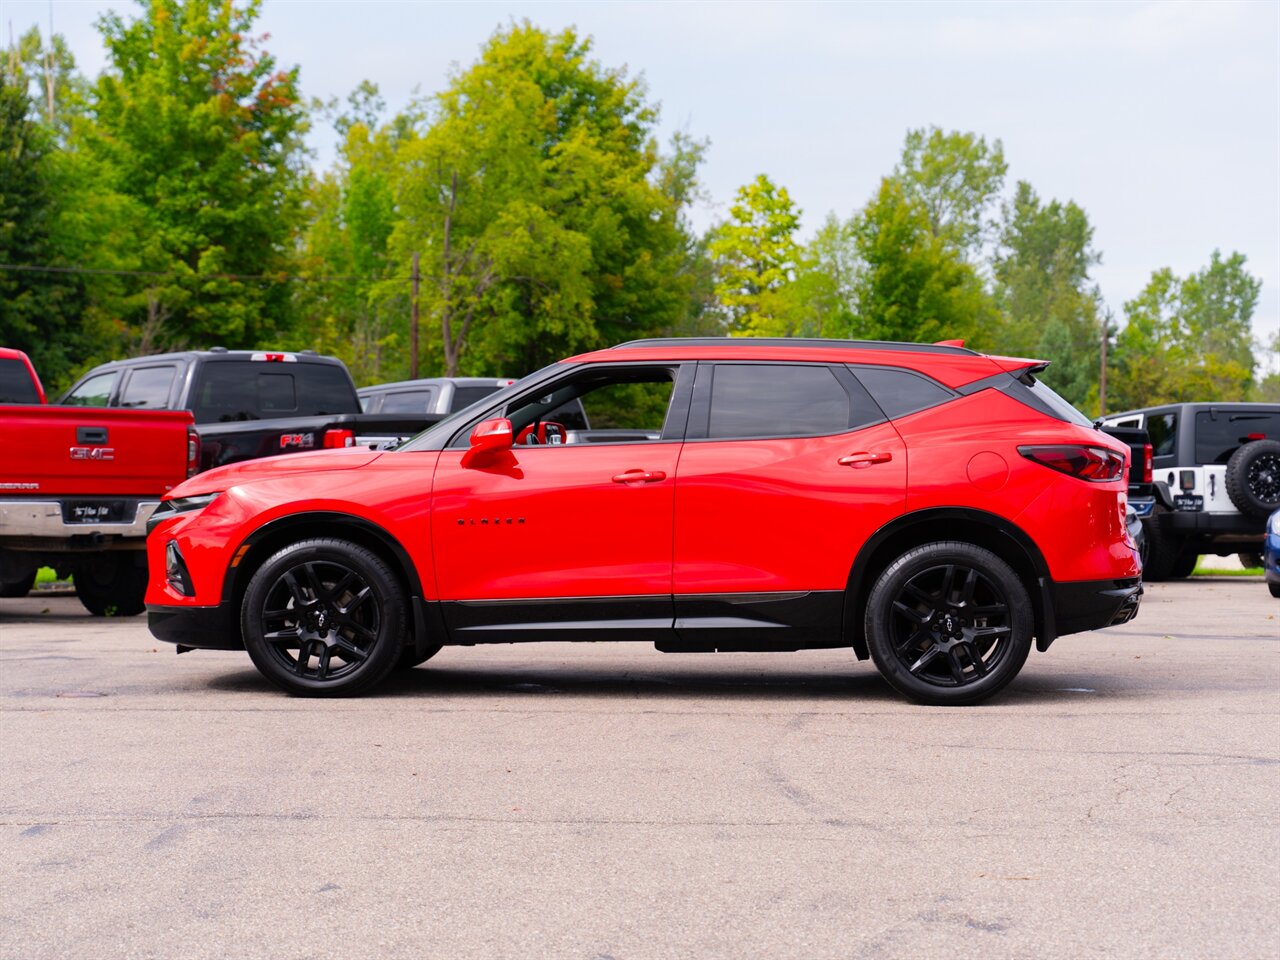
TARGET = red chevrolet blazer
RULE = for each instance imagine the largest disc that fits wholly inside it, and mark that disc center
(922, 504)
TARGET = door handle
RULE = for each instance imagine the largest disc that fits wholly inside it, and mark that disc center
(640, 476)
(860, 461)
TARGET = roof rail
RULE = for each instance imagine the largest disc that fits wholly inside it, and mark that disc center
(796, 342)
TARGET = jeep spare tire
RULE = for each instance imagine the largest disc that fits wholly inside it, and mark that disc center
(1253, 478)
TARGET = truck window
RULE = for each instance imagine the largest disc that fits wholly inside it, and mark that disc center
(94, 392)
(408, 401)
(466, 396)
(15, 383)
(228, 390)
(1219, 433)
(148, 387)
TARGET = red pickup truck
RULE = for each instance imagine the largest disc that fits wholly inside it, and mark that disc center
(77, 486)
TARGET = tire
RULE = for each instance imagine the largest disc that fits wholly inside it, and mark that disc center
(1275, 589)
(410, 658)
(19, 587)
(1250, 560)
(1253, 478)
(111, 585)
(1163, 552)
(949, 624)
(1184, 565)
(334, 601)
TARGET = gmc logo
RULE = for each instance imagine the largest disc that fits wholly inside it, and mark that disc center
(93, 453)
(297, 440)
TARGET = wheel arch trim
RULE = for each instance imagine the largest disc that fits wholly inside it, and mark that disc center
(870, 559)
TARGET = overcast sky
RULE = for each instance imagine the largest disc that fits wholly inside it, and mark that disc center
(1162, 120)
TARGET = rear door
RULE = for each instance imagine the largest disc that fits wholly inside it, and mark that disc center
(787, 469)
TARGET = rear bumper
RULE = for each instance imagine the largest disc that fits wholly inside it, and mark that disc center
(203, 628)
(1093, 604)
(1209, 525)
(45, 519)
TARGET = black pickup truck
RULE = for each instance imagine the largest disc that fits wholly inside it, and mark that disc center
(248, 404)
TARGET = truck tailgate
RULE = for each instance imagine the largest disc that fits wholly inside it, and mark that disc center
(92, 451)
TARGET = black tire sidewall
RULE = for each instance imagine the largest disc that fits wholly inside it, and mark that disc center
(1237, 478)
(388, 593)
(111, 586)
(879, 636)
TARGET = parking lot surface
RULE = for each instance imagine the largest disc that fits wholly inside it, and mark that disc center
(1120, 799)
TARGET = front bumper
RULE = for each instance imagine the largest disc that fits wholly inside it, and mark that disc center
(201, 628)
(1094, 604)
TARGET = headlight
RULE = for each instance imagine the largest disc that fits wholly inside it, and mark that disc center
(171, 508)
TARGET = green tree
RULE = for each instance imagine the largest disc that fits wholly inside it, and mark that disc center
(914, 284)
(39, 311)
(756, 259)
(954, 177)
(1048, 305)
(197, 134)
(535, 200)
(1188, 338)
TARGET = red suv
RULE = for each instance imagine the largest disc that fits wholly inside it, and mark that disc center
(928, 506)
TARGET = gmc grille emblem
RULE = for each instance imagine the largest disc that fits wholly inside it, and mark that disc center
(93, 453)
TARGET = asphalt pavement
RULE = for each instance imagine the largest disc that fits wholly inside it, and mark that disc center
(590, 800)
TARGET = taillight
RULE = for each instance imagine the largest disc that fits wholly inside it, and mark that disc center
(1085, 463)
(339, 438)
(1146, 463)
(193, 453)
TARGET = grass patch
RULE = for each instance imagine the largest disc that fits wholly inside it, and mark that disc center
(1208, 571)
(46, 575)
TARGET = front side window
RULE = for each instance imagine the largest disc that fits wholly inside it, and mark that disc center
(94, 392)
(751, 401)
(148, 387)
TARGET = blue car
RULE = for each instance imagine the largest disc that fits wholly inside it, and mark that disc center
(1271, 554)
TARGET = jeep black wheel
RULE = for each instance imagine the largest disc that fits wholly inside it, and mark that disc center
(1250, 561)
(949, 624)
(324, 618)
(111, 584)
(1253, 478)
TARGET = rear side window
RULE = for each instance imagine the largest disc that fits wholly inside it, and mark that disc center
(251, 390)
(94, 392)
(750, 401)
(408, 401)
(1219, 433)
(148, 387)
(1162, 428)
(15, 383)
(900, 392)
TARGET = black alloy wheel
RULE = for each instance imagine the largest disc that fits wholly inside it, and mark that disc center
(324, 618)
(949, 623)
(1253, 478)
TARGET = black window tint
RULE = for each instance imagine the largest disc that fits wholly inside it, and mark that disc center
(899, 392)
(1219, 433)
(465, 396)
(254, 390)
(15, 383)
(408, 401)
(94, 392)
(1162, 428)
(148, 387)
(766, 400)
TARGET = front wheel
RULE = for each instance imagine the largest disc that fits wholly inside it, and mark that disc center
(324, 617)
(949, 624)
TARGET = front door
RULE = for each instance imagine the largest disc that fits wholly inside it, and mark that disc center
(569, 534)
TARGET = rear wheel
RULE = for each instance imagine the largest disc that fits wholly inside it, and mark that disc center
(1250, 561)
(324, 618)
(112, 584)
(949, 623)
(1165, 557)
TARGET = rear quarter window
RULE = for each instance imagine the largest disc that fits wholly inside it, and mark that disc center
(900, 392)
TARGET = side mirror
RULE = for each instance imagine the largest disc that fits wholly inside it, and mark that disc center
(488, 437)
